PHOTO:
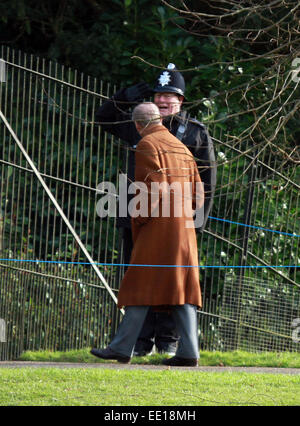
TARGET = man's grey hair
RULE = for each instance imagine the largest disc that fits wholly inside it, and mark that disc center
(146, 114)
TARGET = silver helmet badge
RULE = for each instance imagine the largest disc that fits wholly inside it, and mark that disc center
(164, 78)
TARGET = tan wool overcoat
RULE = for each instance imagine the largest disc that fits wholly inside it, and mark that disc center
(166, 236)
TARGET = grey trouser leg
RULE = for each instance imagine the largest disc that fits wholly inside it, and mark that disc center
(185, 317)
(129, 330)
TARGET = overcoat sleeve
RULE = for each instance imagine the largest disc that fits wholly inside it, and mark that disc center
(198, 191)
(200, 144)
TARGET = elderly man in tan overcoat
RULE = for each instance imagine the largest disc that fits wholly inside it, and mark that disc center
(163, 271)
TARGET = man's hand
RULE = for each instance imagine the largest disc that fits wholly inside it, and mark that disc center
(138, 92)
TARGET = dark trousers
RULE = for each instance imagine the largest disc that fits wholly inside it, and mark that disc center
(131, 324)
(159, 327)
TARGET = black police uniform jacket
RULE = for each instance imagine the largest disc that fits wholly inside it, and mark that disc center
(195, 137)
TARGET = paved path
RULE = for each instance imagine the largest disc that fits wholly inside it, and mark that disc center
(119, 366)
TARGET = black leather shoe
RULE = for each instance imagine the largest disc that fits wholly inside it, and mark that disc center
(176, 361)
(108, 353)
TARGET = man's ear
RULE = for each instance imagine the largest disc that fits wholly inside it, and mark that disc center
(181, 98)
(138, 126)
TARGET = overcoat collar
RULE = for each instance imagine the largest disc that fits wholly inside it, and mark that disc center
(153, 129)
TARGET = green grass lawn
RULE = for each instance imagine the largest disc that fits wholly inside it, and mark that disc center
(111, 387)
(164, 387)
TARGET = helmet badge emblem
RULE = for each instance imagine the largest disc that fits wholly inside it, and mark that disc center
(164, 78)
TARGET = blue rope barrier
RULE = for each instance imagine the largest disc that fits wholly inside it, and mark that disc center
(254, 227)
(148, 266)
(176, 266)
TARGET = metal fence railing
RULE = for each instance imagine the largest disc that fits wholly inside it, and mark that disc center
(51, 297)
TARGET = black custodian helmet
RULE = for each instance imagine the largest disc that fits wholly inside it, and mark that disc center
(170, 81)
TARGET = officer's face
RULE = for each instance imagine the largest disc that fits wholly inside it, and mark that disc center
(168, 103)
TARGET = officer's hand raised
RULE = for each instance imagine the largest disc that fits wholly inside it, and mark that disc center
(138, 92)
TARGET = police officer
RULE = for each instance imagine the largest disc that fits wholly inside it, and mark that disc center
(159, 327)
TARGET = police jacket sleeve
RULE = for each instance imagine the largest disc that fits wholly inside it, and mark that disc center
(115, 117)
